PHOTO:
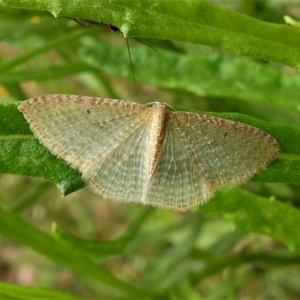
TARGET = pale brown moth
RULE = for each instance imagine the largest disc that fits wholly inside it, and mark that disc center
(129, 152)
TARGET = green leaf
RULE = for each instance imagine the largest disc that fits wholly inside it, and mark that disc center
(21, 232)
(45, 73)
(4, 67)
(22, 154)
(171, 265)
(24, 293)
(232, 262)
(101, 248)
(196, 22)
(257, 214)
(205, 75)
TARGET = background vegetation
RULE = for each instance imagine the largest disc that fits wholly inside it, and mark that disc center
(239, 62)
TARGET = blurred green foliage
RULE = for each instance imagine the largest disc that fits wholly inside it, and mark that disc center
(244, 243)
